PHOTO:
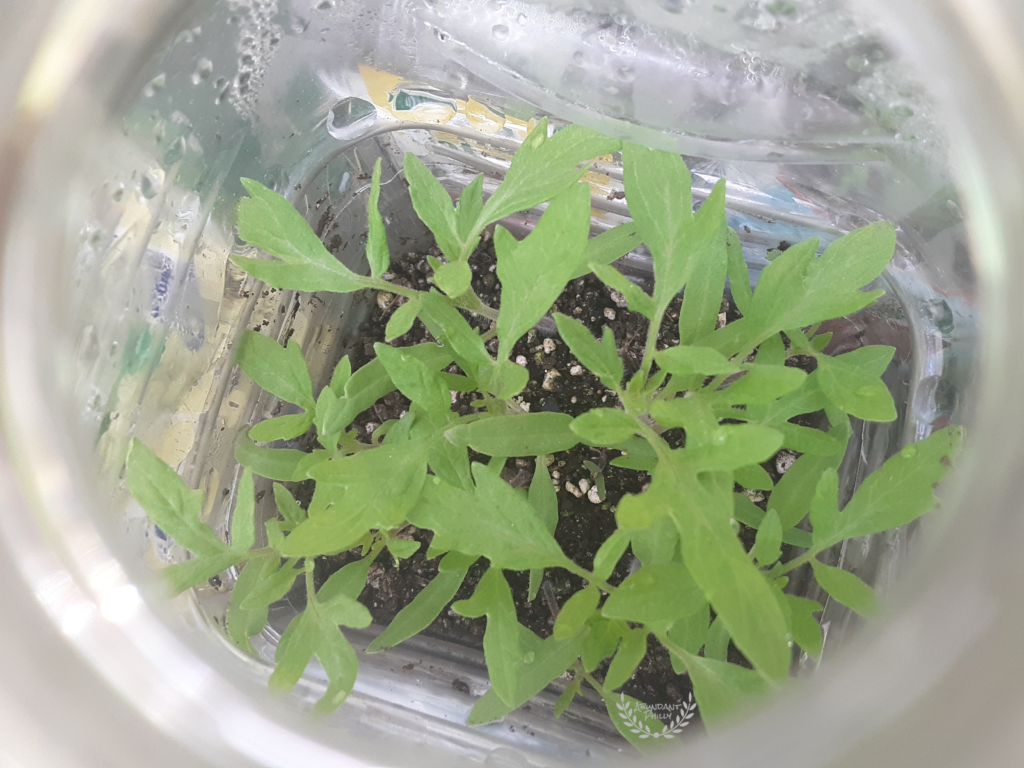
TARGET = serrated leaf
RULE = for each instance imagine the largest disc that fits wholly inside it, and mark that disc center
(609, 554)
(424, 608)
(899, 491)
(493, 522)
(343, 610)
(271, 587)
(718, 564)
(269, 222)
(544, 166)
(601, 641)
(377, 253)
(450, 463)
(636, 299)
(294, 651)
(768, 544)
(748, 513)
(739, 275)
(656, 595)
(170, 503)
(702, 298)
(505, 380)
(243, 624)
(600, 357)
(806, 629)
(414, 379)
(530, 278)
(846, 588)
(282, 427)
(272, 463)
(658, 193)
(574, 614)
(631, 652)
(762, 384)
(792, 496)
(688, 361)
(434, 207)
(608, 247)
(657, 544)
(243, 518)
(732, 446)
(198, 570)
(854, 390)
(287, 505)
(455, 332)
(401, 321)
(604, 426)
(528, 434)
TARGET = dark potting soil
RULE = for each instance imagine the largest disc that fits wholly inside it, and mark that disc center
(586, 518)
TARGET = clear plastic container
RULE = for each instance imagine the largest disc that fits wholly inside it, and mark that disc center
(120, 310)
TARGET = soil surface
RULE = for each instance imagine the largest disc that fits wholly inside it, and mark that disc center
(586, 518)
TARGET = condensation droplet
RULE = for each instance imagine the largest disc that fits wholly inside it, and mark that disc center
(500, 32)
(118, 194)
(155, 85)
(325, 5)
(350, 118)
(204, 68)
(152, 182)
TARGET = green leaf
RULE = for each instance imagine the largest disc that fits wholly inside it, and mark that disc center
(170, 503)
(631, 652)
(376, 239)
(689, 361)
(611, 551)
(854, 390)
(506, 380)
(344, 610)
(282, 427)
(641, 511)
(528, 434)
(806, 629)
(734, 445)
(414, 379)
(739, 275)
(455, 332)
(487, 709)
(467, 212)
(403, 548)
(531, 279)
(719, 565)
(401, 321)
(287, 505)
(502, 649)
(753, 477)
(717, 644)
(371, 490)
(792, 496)
(658, 193)
(565, 700)
(702, 299)
(772, 351)
(819, 342)
(780, 288)
(350, 580)
(543, 497)
(190, 573)
(544, 166)
(268, 221)
(808, 440)
(341, 664)
(601, 641)
(453, 278)
(768, 544)
(721, 688)
(750, 514)
(450, 463)
(604, 426)
(574, 614)
(600, 357)
(762, 384)
(272, 463)
(873, 359)
(634, 720)
(656, 595)
(608, 247)
(493, 522)
(846, 588)
(243, 519)
(424, 608)
(690, 632)
(434, 207)
(342, 373)
(657, 544)
(899, 491)
(294, 651)
(243, 624)
(636, 299)
(273, 585)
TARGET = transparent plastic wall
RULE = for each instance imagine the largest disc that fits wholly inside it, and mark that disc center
(128, 309)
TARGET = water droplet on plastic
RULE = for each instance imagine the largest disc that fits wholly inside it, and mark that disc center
(578, 58)
(500, 32)
(204, 68)
(626, 74)
(673, 6)
(325, 5)
(621, 19)
(858, 63)
(152, 182)
(521, 18)
(351, 118)
(118, 194)
(175, 152)
(155, 85)
(934, 398)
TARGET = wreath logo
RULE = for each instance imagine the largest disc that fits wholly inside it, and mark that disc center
(630, 711)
